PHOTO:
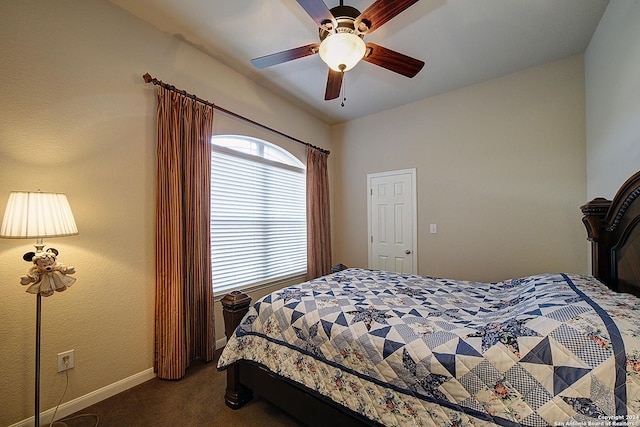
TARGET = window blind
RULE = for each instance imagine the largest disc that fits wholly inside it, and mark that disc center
(258, 221)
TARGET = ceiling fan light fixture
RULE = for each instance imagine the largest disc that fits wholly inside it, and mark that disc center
(342, 51)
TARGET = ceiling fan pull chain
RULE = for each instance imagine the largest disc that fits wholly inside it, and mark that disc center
(344, 90)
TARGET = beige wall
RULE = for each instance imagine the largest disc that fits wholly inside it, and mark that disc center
(76, 117)
(500, 170)
(612, 67)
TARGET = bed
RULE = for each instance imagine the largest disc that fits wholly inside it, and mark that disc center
(364, 347)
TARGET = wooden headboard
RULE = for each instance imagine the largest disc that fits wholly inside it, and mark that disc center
(614, 231)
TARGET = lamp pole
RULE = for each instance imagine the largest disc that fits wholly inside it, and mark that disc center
(36, 401)
(36, 420)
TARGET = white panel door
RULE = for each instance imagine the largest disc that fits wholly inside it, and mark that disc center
(392, 221)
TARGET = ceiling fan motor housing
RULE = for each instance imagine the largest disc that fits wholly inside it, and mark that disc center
(345, 17)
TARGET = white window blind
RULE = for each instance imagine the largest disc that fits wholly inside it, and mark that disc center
(258, 219)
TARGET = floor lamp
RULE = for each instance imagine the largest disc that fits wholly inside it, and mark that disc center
(37, 215)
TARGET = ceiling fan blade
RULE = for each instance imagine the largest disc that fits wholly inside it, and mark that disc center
(392, 60)
(380, 12)
(286, 55)
(334, 84)
(318, 11)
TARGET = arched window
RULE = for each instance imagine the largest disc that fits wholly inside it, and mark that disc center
(258, 213)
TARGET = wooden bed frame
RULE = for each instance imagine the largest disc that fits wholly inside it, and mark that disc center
(612, 227)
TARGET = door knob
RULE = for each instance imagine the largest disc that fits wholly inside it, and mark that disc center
(408, 252)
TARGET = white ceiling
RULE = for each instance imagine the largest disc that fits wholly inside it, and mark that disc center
(462, 42)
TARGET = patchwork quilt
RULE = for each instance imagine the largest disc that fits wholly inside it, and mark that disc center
(404, 350)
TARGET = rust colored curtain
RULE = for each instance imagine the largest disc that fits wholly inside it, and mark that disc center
(318, 215)
(184, 324)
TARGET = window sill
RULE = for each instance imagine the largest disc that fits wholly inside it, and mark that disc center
(287, 280)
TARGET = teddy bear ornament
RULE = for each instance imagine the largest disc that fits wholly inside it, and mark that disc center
(47, 275)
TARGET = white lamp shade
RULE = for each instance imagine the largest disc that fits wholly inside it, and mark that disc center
(345, 49)
(37, 215)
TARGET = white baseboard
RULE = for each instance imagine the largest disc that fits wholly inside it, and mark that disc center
(89, 399)
(221, 343)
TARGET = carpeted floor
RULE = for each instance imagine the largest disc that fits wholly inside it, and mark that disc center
(195, 400)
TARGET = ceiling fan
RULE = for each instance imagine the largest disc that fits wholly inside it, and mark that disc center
(342, 30)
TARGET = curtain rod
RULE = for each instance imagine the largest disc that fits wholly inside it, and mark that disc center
(148, 79)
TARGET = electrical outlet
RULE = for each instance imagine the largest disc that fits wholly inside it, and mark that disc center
(66, 360)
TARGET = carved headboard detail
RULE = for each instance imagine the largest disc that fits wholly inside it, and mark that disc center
(614, 231)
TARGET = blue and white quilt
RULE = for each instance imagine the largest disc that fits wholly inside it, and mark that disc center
(545, 350)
